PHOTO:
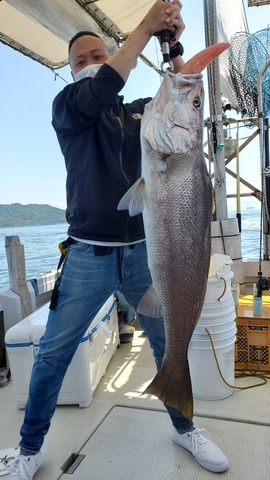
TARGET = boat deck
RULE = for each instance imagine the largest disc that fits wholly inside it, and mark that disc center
(125, 435)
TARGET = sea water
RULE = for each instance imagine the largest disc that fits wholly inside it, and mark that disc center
(42, 253)
(40, 248)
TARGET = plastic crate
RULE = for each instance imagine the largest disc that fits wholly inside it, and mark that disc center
(252, 350)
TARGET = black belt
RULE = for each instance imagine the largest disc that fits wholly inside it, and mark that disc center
(101, 250)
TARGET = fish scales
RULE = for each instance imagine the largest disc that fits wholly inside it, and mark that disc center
(174, 195)
(177, 219)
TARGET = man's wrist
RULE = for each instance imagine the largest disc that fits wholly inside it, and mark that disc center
(176, 50)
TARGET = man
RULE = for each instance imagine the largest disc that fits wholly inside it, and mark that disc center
(126, 318)
(99, 138)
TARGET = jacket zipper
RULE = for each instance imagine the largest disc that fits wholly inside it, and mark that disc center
(123, 171)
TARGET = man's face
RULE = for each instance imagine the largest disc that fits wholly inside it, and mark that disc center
(87, 50)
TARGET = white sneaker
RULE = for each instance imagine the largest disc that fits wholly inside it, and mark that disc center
(207, 454)
(126, 333)
(7, 457)
(24, 467)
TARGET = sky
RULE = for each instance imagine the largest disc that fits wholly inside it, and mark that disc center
(31, 164)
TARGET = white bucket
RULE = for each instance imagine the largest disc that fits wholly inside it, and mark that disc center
(207, 383)
(226, 238)
(219, 279)
(218, 317)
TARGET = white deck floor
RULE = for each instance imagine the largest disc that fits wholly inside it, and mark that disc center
(124, 435)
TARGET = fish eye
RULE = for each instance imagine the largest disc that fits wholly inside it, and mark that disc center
(197, 102)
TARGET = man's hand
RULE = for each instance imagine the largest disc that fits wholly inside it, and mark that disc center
(176, 24)
(161, 16)
(164, 16)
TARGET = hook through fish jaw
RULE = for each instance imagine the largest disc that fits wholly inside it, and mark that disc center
(170, 63)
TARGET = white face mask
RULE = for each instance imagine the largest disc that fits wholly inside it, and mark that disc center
(89, 71)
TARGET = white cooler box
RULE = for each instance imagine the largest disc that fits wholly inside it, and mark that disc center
(88, 364)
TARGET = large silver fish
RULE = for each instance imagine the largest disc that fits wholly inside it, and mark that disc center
(174, 194)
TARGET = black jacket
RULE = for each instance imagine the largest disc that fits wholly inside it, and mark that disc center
(99, 137)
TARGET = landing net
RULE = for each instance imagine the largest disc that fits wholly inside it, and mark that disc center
(248, 55)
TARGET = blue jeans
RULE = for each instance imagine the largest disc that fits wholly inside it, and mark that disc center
(85, 284)
(129, 314)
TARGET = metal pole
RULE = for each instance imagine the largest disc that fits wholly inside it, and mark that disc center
(216, 147)
(262, 158)
(238, 193)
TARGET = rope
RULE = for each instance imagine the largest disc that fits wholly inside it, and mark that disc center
(249, 374)
(224, 289)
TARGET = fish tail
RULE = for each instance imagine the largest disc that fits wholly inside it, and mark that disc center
(173, 393)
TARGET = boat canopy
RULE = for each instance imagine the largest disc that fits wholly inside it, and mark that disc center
(41, 29)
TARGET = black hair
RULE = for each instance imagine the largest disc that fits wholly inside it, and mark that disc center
(81, 34)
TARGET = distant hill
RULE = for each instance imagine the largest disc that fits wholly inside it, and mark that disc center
(18, 215)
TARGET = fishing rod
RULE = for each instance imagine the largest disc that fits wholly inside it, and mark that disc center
(263, 283)
(165, 37)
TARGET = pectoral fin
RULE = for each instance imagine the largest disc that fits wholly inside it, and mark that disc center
(133, 199)
(180, 164)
